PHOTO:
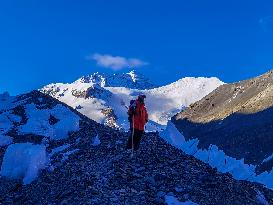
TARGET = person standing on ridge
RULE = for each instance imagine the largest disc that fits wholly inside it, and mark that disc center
(138, 117)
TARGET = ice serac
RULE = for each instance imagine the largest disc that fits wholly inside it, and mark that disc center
(216, 158)
(23, 160)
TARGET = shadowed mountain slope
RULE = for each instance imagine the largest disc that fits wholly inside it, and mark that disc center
(237, 118)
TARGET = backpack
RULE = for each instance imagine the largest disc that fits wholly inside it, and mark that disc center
(132, 110)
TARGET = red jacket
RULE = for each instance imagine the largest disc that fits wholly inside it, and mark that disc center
(139, 116)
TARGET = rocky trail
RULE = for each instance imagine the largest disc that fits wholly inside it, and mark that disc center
(106, 174)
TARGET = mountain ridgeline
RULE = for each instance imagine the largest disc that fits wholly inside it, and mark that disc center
(133, 80)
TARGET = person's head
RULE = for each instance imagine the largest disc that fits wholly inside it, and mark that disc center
(141, 98)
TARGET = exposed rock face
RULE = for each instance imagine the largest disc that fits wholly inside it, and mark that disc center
(51, 90)
(98, 92)
(95, 78)
(80, 173)
(111, 118)
(94, 91)
(237, 118)
(80, 93)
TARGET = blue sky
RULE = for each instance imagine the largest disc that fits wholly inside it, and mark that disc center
(58, 41)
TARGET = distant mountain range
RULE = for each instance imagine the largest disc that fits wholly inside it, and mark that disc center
(104, 98)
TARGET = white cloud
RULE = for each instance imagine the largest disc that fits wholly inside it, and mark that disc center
(116, 62)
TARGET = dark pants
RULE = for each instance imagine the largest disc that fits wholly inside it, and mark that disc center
(136, 142)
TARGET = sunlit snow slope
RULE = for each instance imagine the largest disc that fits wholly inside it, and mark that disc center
(104, 100)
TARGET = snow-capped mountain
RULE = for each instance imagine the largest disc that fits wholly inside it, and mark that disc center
(105, 98)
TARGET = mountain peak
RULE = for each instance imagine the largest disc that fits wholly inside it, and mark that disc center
(95, 78)
(132, 79)
(136, 76)
(133, 75)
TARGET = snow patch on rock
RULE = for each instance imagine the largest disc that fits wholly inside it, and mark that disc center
(260, 198)
(96, 141)
(59, 149)
(268, 158)
(68, 153)
(5, 140)
(7, 121)
(38, 122)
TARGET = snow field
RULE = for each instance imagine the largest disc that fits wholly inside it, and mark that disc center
(38, 122)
